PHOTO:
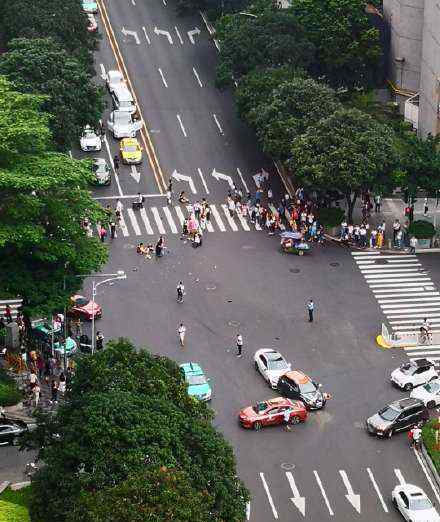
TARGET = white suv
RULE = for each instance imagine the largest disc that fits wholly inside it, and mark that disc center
(414, 373)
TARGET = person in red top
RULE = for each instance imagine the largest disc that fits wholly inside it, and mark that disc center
(8, 314)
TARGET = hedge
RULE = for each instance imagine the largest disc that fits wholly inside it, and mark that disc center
(14, 505)
(331, 217)
(431, 444)
(9, 392)
(421, 229)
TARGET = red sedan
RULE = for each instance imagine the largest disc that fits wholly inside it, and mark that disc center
(271, 412)
(84, 308)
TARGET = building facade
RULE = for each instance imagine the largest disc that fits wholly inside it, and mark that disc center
(414, 64)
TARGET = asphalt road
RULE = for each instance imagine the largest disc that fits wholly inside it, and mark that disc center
(239, 282)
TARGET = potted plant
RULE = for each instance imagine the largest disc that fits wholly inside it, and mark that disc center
(423, 230)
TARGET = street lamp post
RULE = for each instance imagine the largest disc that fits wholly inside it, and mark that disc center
(120, 274)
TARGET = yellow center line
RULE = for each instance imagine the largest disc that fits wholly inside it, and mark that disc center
(146, 139)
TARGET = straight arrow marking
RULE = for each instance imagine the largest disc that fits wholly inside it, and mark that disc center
(248, 510)
(103, 73)
(197, 76)
(323, 493)
(355, 500)
(298, 501)
(269, 496)
(242, 180)
(376, 488)
(178, 35)
(135, 174)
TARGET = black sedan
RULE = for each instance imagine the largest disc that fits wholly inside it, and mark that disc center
(11, 431)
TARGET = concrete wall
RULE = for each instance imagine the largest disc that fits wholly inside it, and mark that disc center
(430, 70)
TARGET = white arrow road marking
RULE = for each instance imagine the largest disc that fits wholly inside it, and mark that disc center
(299, 502)
(170, 220)
(219, 175)
(229, 218)
(146, 221)
(248, 510)
(399, 476)
(103, 73)
(192, 33)
(164, 33)
(163, 77)
(146, 35)
(355, 500)
(107, 146)
(188, 179)
(203, 180)
(134, 222)
(242, 180)
(376, 488)
(159, 223)
(218, 219)
(217, 123)
(178, 35)
(269, 496)
(323, 493)
(196, 74)
(131, 33)
(181, 125)
(135, 174)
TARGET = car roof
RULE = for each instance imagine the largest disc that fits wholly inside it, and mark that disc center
(422, 362)
(114, 73)
(278, 401)
(403, 404)
(412, 490)
(273, 355)
(298, 376)
(122, 92)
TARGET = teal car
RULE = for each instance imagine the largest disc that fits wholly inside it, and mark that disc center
(89, 6)
(198, 386)
(41, 331)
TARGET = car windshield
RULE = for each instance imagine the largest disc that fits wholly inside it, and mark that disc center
(130, 148)
(420, 503)
(122, 118)
(194, 380)
(277, 364)
(307, 387)
(408, 368)
(259, 407)
(89, 133)
(389, 414)
(432, 387)
(81, 301)
(126, 104)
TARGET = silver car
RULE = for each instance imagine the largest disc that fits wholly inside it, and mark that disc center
(121, 124)
(114, 79)
(90, 141)
(271, 364)
(101, 171)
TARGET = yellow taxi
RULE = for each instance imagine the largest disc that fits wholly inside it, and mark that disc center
(131, 151)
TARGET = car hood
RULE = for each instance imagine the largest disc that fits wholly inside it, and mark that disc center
(274, 375)
(199, 390)
(248, 412)
(426, 515)
(420, 393)
(313, 397)
(131, 155)
(127, 128)
(378, 423)
(398, 375)
(90, 141)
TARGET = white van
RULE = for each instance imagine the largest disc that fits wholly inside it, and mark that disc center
(123, 100)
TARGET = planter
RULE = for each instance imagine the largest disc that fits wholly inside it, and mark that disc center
(424, 243)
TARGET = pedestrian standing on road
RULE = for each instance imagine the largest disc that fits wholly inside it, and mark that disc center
(412, 245)
(239, 345)
(425, 207)
(311, 309)
(160, 245)
(118, 211)
(377, 203)
(181, 331)
(396, 228)
(112, 229)
(286, 419)
(169, 195)
(116, 163)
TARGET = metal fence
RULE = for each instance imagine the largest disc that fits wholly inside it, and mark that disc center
(408, 338)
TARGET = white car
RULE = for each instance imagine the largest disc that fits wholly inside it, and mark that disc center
(271, 364)
(90, 141)
(429, 393)
(113, 79)
(121, 124)
(413, 504)
(414, 373)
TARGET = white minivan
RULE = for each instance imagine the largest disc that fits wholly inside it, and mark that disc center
(123, 99)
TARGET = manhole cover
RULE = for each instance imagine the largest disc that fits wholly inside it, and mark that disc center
(210, 287)
(287, 466)
(294, 270)
(335, 263)
(381, 261)
(233, 324)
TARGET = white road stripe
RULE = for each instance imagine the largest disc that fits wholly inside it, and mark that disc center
(409, 316)
(158, 220)
(203, 180)
(404, 286)
(163, 78)
(123, 226)
(146, 35)
(403, 310)
(146, 222)
(390, 270)
(376, 488)
(418, 348)
(409, 292)
(395, 280)
(376, 255)
(426, 353)
(180, 215)
(417, 300)
(416, 321)
(362, 254)
(243, 222)
(170, 220)
(399, 476)
(396, 262)
(182, 128)
(427, 474)
(196, 74)
(218, 219)
(393, 309)
(178, 35)
(217, 123)
(323, 493)
(269, 496)
(134, 222)
(394, 276)
(229, 218)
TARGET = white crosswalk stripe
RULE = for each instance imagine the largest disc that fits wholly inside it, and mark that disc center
(146, 222)
(229, 218)
(123, 226)
(170, 220)
(134, 222)
(218, 218)
(158, 220)
(405, 293)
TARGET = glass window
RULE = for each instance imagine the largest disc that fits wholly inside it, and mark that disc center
(419, 503)
(389, 414)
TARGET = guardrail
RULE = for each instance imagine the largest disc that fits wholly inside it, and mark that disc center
(407, 339)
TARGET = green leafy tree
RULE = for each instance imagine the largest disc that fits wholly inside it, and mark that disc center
(43, 199)
(348, 151)
(288, 111)
(42, 66)
(128, 420)
(348, 46)
(64, 21)
(270, 39)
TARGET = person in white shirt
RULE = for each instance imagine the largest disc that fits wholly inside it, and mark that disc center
(181, 332)
(239, 345)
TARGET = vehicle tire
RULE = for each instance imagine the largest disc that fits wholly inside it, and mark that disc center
(408, 387)
(256, 365)
(15, 441)
(257, 426)
(294, 420)
(430, 404)
(394, 502)
(390, 434)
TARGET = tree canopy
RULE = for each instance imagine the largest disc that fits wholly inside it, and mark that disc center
(43, 199)
(42, 66)
(129, 434)
(348, 151)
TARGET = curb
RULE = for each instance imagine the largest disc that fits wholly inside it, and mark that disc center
(382, 343)
(20, 485)
(427, 459)
(3, 485)
(383, 250)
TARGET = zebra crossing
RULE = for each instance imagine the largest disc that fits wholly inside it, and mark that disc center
(168, 220)
(405, 293)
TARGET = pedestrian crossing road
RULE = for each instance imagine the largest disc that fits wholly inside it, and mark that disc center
(152, 221)
(315, 495)
(405, 293)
